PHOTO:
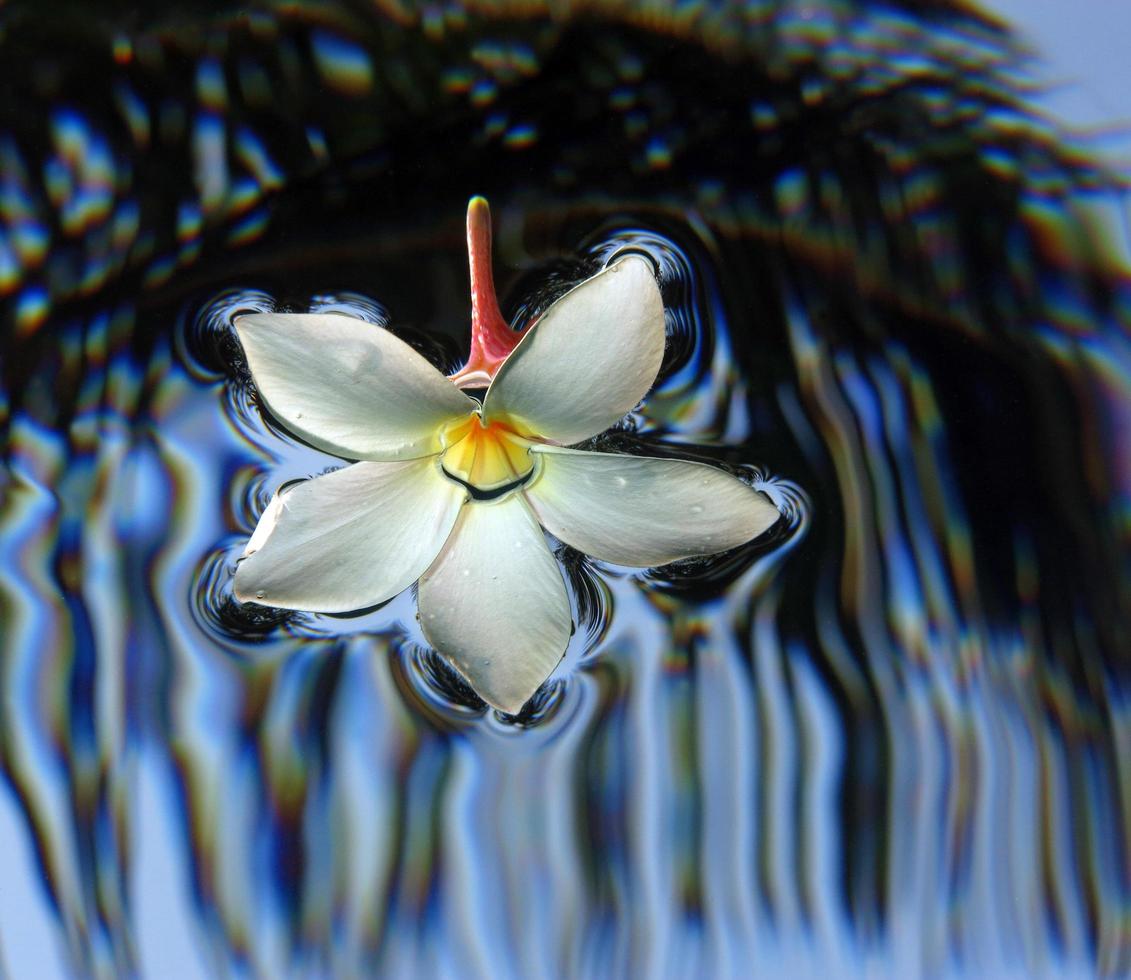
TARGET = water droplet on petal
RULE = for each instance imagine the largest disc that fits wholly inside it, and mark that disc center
(621, 481)
(697, 508)
(466, 572)
(259, 594)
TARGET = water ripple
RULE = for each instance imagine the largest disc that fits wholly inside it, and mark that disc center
(890, 738)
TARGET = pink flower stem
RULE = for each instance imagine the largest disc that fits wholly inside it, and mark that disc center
(492, 339)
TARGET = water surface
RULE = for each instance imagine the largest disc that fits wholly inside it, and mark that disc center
(890, 739)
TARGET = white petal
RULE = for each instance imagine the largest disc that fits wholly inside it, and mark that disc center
(495, 604)
(590, 358)
(349, 539)
(641, 511)
(347, 386)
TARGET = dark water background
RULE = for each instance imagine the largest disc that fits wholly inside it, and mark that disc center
(892, 740)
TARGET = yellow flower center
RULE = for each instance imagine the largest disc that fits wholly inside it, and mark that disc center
(485, 456)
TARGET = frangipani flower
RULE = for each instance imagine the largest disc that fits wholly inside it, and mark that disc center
(454, 493)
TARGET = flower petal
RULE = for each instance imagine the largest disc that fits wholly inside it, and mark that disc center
(495, 604)
(350, 539)
(642, 511)
(346, 386)
(589, 359)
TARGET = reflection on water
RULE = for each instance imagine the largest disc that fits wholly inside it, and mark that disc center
(893, 739)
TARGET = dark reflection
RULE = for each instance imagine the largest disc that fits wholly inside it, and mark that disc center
(893, 736)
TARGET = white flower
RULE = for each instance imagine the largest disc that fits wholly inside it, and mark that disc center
(455, 493)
